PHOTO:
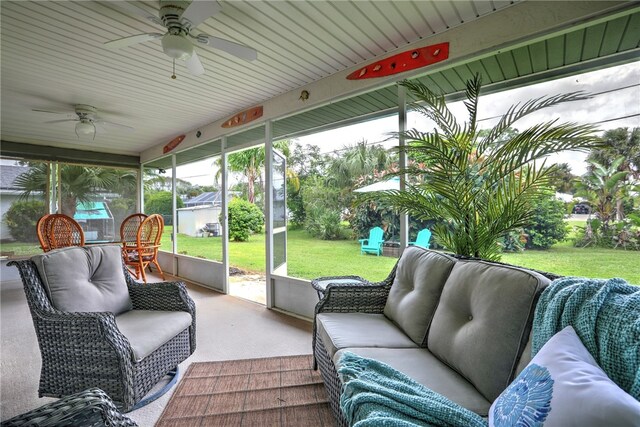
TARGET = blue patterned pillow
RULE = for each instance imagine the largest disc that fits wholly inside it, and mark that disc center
(564, 386)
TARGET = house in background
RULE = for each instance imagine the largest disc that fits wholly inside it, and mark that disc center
(200, 210)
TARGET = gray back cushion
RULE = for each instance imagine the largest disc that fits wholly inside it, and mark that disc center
(483, 321)
(85, 279)
(416, 289)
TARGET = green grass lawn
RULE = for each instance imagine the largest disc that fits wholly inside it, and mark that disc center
(310, 258)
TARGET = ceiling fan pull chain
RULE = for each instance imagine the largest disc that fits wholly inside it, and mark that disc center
(173, 76)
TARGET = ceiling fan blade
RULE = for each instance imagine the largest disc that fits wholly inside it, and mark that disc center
(194, 65)
(68, 112)
(199, 10)
(131, 40)
(236, 49)
(61, 121)
(106, 126)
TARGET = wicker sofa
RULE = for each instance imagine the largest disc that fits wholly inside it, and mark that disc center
(459, 327)
(97, 327)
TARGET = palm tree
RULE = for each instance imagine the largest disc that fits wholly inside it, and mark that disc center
(604, 185)
(250, 163)
(77, 183)
(354, 162)
(481, 186)
(619, 143)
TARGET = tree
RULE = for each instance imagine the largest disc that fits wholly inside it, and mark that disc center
(77, 183)
(603, 185)
(619, 143)
(160, 203)
(482, 187)
(562, 180)
(356, 161)
(250, 163)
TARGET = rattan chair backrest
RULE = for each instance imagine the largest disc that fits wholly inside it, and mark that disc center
(63, 231)
(129, 227)
(149, 235)
(43, 236)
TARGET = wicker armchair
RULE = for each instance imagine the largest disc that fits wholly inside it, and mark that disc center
(89, 408)
(143, 250)
(81, 350)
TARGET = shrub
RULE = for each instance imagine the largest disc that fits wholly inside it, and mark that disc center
(325, 224)
(160, 203)
(547, 226)
(22, 217)
(244, 218)
(623, 234)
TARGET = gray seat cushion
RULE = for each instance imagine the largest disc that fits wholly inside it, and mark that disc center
(416, 289)
(85, 279)
(147, 330)
(424, 368)
(483, 321)
(340, 330)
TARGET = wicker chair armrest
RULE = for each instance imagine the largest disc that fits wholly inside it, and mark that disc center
(91, 407)
(80, 329)
(354, 297)
(165, 296)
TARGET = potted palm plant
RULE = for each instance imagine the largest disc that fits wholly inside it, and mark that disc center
(481, 184)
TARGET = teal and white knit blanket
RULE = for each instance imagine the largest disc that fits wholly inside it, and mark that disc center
(376, 395)
(606, 317)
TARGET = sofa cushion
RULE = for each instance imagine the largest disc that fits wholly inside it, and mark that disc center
(416, 289)
(85, 279)
(340, 330)
(147, 330)
(483, 320)
(424, 368)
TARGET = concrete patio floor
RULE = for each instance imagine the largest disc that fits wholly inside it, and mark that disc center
(227, 328)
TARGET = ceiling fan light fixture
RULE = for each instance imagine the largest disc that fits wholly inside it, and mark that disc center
(177, 46)
(85, 128)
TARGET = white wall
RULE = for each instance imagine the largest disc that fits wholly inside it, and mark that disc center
(192, 220)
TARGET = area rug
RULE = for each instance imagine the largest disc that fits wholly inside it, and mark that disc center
(276, 391)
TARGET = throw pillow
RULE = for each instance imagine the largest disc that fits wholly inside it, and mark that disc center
(564, 386)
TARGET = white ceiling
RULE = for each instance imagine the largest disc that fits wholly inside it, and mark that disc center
(53, 57)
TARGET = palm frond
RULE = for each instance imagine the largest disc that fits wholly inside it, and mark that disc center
(518, 111)
(435, 107)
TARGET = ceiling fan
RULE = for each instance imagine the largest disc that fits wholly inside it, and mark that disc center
(180, 18)
(87, 121)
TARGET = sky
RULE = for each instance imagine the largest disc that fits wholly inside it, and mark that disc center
(608, 102)
(612, 104)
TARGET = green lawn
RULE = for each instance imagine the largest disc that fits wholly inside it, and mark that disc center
(310, 258)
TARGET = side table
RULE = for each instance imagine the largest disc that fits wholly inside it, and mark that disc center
(320, 284)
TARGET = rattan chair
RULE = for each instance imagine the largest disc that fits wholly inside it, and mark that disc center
(63, 231)
(144, 250)
(86, 349)
(43, 236)
(129, 227)
(88, 408)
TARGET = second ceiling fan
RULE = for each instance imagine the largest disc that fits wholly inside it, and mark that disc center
(180, 18)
